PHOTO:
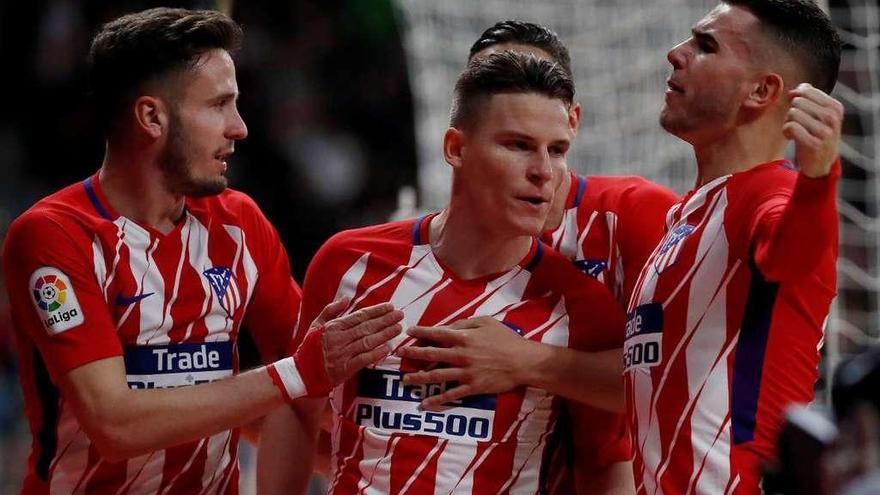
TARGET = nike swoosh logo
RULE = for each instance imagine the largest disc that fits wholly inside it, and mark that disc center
(128, 301)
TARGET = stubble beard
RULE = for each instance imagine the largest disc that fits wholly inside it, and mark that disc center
(176, 166)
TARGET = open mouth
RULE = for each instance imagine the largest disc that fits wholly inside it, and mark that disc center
(223, 156)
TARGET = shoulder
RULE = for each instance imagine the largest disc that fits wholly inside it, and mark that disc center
(404, 232)
(767, 182)
(555, 272)
(386, 238)
(54, 221)
(771, 175)
(621, 193)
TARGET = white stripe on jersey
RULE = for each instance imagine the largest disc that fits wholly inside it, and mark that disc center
(644, 396)
(144, 474)
(72, 455)
(380, 449)
(186, 466)
(449, 466)
(100, 265)
(536, 408)
(161, 335)
(216, 459)
(151, 308)
(580, 241)
(116, 256)
(197, 253)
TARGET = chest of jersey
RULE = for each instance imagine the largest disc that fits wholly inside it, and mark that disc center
(176, 300)
(377, 398)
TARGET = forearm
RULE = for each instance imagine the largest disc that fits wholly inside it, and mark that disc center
(134, 422)
(593, 378)
(793, 243)
(287, 449)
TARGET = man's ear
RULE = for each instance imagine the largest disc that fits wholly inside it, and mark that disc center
(765, 92)
(453, 144)
(574, 116)
(151, 116)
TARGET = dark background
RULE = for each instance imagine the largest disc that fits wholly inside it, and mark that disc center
(324, 93)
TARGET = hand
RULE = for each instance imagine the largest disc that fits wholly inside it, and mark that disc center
(359, 339)
(813, 122)
(484, 355)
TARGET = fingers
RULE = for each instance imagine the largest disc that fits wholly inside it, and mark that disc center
(451, 395)
(342, 361)
(813, 122)
(330, 311)
(472, 323)
(799, 133)
(373, 340)
(444, 336)
(365, 314)
(364, 359)
(432, 354)
(340, 332)
(438, 375)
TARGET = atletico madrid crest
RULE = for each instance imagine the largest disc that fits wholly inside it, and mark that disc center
(671, 247)
(227, 294)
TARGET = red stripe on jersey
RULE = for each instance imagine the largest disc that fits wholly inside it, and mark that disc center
(732, 351)
(135, 287)
(381, 439)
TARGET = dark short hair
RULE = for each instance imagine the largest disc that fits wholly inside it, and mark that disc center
(804, 31)
(139, 48)
(524, 33)
(504, 73)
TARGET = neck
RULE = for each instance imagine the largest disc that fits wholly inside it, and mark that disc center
(470, 250)
(744, 147)
(134, 185)
(557, 207)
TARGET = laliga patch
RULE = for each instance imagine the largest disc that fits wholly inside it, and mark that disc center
(55, 300)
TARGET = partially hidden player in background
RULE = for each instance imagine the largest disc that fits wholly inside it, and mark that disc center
(726, 318)
(138, 280)
(608, 226)
(480, 256)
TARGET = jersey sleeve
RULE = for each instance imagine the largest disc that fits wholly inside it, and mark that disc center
(272, 313)
(642, 224)
(794, 229)
(596, 323)
(319, 289)
(54, 293)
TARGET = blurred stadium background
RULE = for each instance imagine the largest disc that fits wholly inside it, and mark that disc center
(346, 102)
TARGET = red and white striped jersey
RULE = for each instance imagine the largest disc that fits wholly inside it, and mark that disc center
(721, 336)
(87, 284)
(381, 441)
(609, 228)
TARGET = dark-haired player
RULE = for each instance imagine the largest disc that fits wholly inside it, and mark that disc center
(137, 281)
(507, 144)
(727, 315)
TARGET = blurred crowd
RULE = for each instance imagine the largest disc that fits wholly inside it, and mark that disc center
(324, 93)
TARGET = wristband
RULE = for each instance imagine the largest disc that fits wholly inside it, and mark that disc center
(303, 374)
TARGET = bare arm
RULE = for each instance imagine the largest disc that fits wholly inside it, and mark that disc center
(124, 423)
(288, 448)
(485, 356)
